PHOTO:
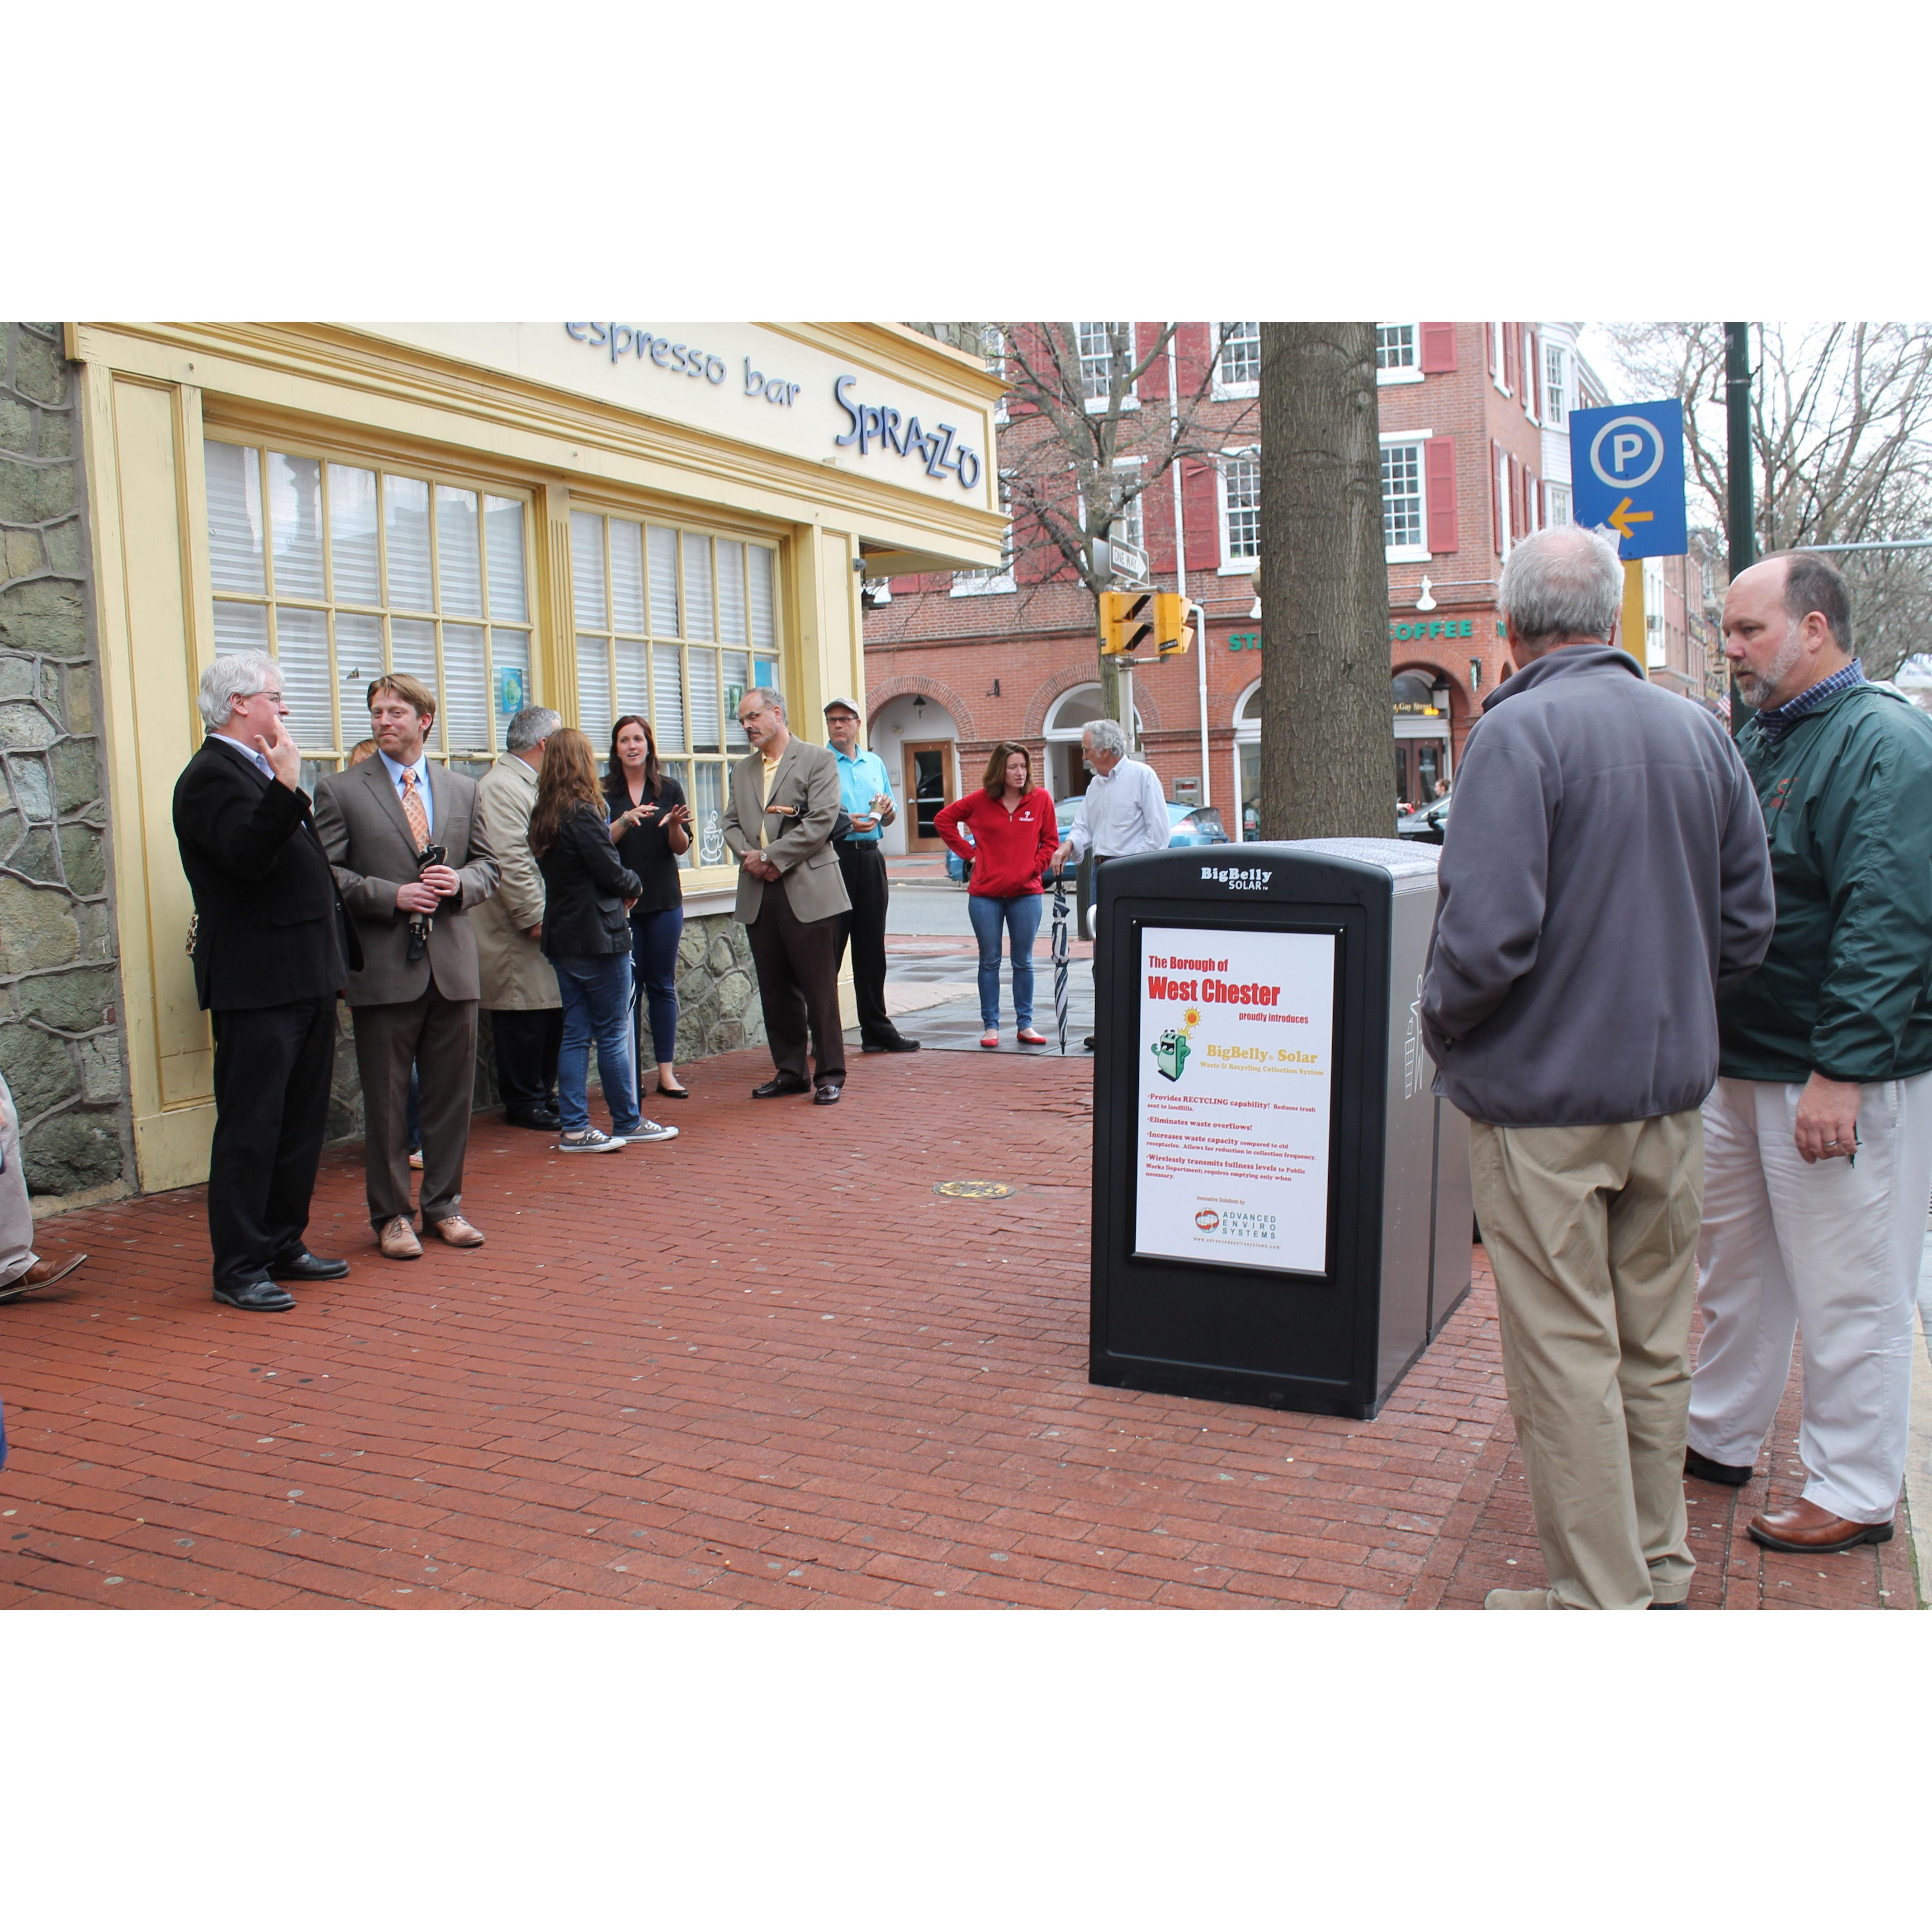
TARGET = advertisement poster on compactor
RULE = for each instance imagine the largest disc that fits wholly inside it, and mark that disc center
(1233, 1096)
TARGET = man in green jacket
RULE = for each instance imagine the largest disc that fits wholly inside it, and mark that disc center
(1818, 1136)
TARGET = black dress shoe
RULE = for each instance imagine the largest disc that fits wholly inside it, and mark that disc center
(1088, 1042)
(825, 1093)
(535, 1117)
(785, 1083)
(304, 1266)
(898, 1043)
(257, 1297)
(1732, 1475)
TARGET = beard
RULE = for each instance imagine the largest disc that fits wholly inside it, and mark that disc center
(1759, 688)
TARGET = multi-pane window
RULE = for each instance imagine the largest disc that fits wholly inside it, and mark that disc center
(1554, 408)
(675, 626)
(978, 582)
(1558, 495)
(1402, 495)
(1395, 345)
(1127, 519)
(1241, 508)
(344, 573)
(1098, 358)
(1240, 366)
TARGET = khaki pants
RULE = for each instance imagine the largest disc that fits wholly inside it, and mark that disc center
(16, 1218)
(1592, 1234)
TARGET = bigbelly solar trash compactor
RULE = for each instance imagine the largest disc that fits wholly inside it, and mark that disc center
(1281, 1208)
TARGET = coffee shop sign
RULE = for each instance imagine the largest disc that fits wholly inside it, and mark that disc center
(938, 449)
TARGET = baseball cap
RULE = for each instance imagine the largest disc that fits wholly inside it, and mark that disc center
(851, 704)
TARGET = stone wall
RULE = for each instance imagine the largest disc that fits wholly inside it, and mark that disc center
(60, 1042)
(717, 1008)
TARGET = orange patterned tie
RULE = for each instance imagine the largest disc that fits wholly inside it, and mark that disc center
(412, 810)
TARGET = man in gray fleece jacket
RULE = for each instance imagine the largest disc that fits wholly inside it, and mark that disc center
(1605, 872)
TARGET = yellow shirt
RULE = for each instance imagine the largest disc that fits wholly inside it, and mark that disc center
(771, 765)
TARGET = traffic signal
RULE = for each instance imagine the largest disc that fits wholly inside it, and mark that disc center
(1177, 622)
(1127, 621)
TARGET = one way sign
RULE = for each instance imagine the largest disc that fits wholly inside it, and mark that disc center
(1627, 472)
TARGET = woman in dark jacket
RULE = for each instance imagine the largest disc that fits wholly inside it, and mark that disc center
(650, 825)
(586, 936)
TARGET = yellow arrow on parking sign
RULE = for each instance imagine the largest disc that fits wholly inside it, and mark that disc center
(1621, 519)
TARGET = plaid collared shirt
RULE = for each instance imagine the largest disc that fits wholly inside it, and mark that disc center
(1775, 723)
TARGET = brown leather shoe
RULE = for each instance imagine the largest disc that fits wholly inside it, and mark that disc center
(457, 1232)
(1807, 1530)
(398, 1240)
(43, 1274)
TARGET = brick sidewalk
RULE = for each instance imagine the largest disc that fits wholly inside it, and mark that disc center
(763, 1365)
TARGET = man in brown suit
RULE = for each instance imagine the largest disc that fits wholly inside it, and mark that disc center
(415, 996)
(784, 803)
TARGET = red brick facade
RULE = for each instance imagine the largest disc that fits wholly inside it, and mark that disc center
(995, 662)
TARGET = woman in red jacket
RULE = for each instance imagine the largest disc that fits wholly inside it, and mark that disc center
(1014, 840)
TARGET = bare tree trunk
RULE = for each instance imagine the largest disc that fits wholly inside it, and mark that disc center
(1327, 769)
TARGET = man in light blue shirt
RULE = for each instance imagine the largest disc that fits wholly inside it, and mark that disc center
(865, 791)
(1122, 811)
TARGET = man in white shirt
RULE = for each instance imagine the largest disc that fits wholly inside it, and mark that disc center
(1123, 811)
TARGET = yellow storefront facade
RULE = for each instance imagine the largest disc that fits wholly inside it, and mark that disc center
(604, 517)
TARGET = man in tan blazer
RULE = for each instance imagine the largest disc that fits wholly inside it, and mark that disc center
(415, 996)
(520, 989)
(784, 803)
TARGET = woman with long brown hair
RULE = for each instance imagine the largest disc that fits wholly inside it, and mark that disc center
(650, 825)
(587, 937)
(1014, 838)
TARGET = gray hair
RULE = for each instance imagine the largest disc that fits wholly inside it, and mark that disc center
(766, 696)
(530, 728)
(1106, 737)
(234, 674)
(1563, 583)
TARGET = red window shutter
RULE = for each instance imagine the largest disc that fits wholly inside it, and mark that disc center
(1532, 376)
(1439, 465)
(1515, 500)
(1490, 332)
(1495, 499)
(1200, 504)
(1439, 348)
(1509, 356)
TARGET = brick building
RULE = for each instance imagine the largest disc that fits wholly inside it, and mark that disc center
(1475, 454)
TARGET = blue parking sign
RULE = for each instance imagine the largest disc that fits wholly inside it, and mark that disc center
(1627, 472)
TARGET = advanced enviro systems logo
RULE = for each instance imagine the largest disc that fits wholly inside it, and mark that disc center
(1206, 1220)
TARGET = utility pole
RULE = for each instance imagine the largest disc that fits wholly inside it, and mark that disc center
(1737, 469)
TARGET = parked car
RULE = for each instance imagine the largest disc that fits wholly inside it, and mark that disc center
(1426, 825)
(1187, 824)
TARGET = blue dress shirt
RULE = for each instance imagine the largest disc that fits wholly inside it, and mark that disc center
(421, 768)
(861, 778)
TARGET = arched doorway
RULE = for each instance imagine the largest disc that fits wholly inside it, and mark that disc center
(1420, 698)
(1248, 763)
(917, 737)
(1070, 713)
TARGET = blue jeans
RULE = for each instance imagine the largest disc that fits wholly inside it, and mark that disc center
(654, 938)
(1019, 915)
(596, 991)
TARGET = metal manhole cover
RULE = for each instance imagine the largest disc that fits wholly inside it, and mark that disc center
(974, 1190)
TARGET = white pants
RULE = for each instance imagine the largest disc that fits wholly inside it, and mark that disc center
(1831, 1250)
(16, 1218)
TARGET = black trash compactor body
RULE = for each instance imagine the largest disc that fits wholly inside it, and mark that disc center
(1281, 1205)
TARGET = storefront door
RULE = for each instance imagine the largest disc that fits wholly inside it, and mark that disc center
(929, 784)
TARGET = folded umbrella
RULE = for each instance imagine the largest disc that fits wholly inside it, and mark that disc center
(1060, 954)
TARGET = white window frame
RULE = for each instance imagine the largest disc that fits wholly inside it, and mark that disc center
(1234, 392)
(1411, 553)
(1503, 518)
(995, 344)
(1527, 333)
(1000, 579)
(1556, 385)
(1232, 565)
(1385, 377)
(1559, 497)
(1096, 405)
(1501, 378)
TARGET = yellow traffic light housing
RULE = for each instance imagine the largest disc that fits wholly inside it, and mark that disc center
(1127, 621)
(1177, 622)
